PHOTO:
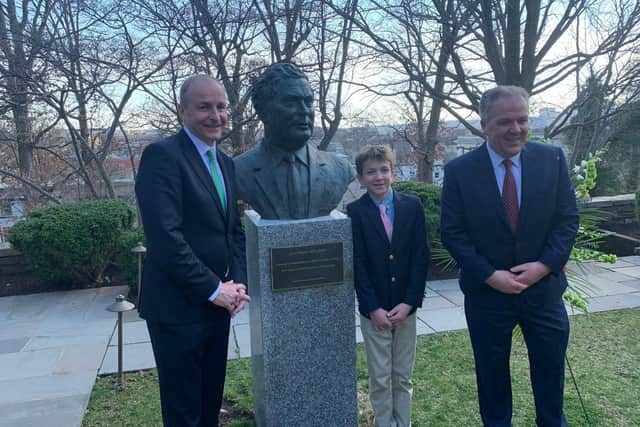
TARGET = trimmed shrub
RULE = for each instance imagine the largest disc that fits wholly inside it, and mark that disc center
(127, 261)
(429, 194)
(74, 242)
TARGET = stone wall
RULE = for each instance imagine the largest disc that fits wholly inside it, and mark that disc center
(16, 275)
(617, 209)
(12, 262)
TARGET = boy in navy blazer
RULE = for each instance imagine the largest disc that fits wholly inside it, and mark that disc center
(390, 257)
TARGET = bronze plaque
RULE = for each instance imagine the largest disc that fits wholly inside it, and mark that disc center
(296, 267)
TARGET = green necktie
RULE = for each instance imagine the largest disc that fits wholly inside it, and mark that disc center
(217, 177)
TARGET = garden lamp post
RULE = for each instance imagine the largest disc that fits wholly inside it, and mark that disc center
(140, 250)
(120, 306)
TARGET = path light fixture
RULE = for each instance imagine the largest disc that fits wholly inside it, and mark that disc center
(140, 250)
(120, 306)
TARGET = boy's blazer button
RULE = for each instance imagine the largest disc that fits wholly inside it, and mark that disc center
(391, 257)
(393, 280)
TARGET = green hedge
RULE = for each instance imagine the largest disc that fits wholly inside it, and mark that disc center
(74, 243)
(430, 196)
(127, 261)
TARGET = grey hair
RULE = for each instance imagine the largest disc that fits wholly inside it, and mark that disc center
(492, 95)
(184, 88)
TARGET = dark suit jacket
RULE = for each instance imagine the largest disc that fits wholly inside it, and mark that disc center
(475, 230)
(191, 243)
(329, 177)
(389, 273)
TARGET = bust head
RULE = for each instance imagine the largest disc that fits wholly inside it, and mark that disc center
(283, 100)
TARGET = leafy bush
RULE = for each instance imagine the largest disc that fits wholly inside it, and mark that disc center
(127, 261)
(429, 194)
(638, 205)
(74, 242)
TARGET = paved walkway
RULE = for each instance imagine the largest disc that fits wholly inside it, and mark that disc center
(53, 345)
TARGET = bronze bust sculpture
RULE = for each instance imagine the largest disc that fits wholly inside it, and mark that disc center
(284, 177)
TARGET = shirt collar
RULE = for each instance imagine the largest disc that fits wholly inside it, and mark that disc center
(387, 201)
(200, 145)
(497, 159)
(279, 154)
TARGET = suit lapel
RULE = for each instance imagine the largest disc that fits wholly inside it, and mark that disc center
(485, 184)
(527, 180)
(374, 217)
(226, 175)
(399, 212)
(315, 172)
(194, 159)
(265, 179)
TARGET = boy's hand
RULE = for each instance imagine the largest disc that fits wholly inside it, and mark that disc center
(380, 319)
(399, 313)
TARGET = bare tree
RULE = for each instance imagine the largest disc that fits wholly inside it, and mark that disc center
(617, 77)
(98, 65)
(331, 44)
(23, 30)
(412, 42)
(518, 42)
(226, 33)
(213, 37)
(450, 51)
(287, 25)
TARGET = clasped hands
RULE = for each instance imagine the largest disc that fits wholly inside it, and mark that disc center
(232, 296)
(383, 319)
(518, 278)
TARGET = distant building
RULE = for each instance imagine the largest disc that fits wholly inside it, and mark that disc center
(11, 210)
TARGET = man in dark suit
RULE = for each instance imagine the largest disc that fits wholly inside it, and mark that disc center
(509, 218)
(194, 270)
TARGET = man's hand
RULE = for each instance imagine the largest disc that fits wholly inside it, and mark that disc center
(243, 298)
(506, 282)
(380, 319)
(399, 313)
(530, 273)
(232, 296)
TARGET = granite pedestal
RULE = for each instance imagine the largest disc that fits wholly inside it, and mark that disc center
(302, 340)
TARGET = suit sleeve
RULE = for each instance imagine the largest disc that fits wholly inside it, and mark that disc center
(454, 235)
(365, 291)
(420, 256)
(159, 193)
(558, 247)
(239, 261)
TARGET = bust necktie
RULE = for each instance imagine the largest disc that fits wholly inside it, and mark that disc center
(294, 190)
(217, 177)
(388, 227)
(510, 196)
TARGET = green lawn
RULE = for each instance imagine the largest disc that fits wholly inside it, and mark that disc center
(604, 352)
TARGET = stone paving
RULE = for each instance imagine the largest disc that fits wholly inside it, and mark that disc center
(53, 345)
